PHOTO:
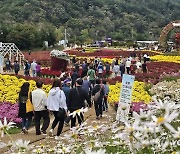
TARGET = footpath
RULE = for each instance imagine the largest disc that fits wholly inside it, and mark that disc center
(40, 139)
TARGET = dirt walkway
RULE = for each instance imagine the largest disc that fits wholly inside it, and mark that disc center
(40, 139)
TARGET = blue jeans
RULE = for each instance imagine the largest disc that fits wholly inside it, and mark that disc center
(26, 122)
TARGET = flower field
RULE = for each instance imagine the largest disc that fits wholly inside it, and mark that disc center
(138, 95)
(162, 58)
(151, 127)
(9, 90)
(10, 87)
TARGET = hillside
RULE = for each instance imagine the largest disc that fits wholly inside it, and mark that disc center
(85, 20)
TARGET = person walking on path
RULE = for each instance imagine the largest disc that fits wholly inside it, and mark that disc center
(26, 68)
(39, 101)
(106, 92)
(77, 96)
(66, 88)
(33, 68)
(86, 85)
(116, 69)
(24, 95)
(100, 70)
(122, 69)
(144, 67)
(84, 69)
(107, 70)
(91, 75)
(16, 67)
(38, 69)
(128, 64)
(98, 103)
(56, 100)
(74, 77)
(8, 65)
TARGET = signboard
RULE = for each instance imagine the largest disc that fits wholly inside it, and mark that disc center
(125, 98)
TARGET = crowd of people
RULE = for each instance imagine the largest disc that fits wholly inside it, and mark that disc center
(119, 66)
(73, 91)
(34, 67)
(61, 96)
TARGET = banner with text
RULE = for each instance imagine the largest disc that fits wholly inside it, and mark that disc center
(125, 98)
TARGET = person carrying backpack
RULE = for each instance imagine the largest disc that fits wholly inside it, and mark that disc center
(98, 94)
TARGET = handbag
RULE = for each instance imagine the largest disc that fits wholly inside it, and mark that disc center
(97, 95)
(61, 112)
(29, 106)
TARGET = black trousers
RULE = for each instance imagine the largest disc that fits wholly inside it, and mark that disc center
(73, 120)
(98, 107)
(56, 121)
(38, 115)
(128, 70)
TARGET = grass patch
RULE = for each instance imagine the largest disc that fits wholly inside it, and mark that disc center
(14, 130)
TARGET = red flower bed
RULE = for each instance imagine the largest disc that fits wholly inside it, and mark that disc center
(109, 53)
(50, 72)
(156, 71)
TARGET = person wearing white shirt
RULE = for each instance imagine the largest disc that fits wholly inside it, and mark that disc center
(39, 101)
(116, 69)
(138, 65)
(33, 68)
(145, 57)
(128, 64)
(57, 99)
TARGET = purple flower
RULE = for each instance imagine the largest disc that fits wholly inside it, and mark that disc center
(10, 111)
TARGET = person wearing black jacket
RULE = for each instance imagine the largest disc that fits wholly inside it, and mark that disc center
(98, 104)
(77, 96)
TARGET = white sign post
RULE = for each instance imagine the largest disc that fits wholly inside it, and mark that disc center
(125, 98)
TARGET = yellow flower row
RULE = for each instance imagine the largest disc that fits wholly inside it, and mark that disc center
(109, 60)
(10, 87)
(138, 94)
(175, 59)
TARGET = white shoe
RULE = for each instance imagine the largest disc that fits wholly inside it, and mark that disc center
(57, 138)
(51, 132)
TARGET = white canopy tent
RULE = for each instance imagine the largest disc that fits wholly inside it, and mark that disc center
(11, 51)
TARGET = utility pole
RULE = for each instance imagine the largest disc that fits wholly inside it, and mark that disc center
(65, 38)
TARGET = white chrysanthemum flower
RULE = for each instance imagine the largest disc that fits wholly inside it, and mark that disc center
(142, 116)
(167, 118)
(5, 126)
(100, 151)
(131, 127)
(21, 145)
(78, 112)
(177, 134)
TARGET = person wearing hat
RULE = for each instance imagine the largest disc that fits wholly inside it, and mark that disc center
(77, 97)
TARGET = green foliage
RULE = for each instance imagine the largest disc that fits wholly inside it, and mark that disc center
(29, 23)
(147, 88)
(14, 130)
